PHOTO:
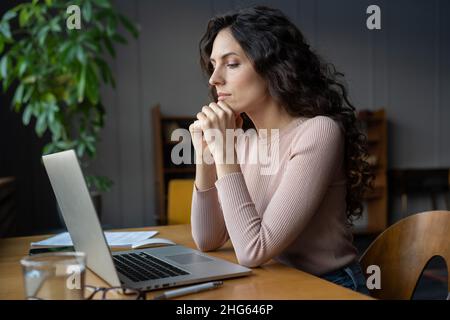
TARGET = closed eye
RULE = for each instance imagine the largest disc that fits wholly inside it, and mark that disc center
(233, 65)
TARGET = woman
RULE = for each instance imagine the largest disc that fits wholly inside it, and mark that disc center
(260, 68)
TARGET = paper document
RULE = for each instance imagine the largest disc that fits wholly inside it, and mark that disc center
(114, 239)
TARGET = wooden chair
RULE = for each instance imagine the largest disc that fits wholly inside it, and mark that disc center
(179, 201)
(403, 250)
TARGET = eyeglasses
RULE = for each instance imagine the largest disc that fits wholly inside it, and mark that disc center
(114, 293)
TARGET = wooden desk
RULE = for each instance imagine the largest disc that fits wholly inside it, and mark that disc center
(271, 281)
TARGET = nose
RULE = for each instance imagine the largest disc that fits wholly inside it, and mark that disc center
(216, 78)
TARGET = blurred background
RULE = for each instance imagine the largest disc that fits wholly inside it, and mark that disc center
(402, 69)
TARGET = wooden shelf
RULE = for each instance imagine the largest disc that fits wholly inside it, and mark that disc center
(163, 126)
(176, 118)
(179, 170)
(374, 125)
(172, 143)
(375, 194)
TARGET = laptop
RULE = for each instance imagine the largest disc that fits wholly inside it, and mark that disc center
(144, 269)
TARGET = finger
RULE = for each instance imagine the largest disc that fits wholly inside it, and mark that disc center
(209, 113)
(201, 117)
(205, 121)
(226, 108)
(217, 110)
(195, 126)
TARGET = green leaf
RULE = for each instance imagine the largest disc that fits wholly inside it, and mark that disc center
(111, 25)
(17, 100)
(9, 15)
(4, 29)
(29, 79)
(22, 66)
(41, 124)
(109, 46)
(64, 145)
(81, 56)
(54, 24)
(42, 35)
(90, 148)
(68, 55)
(80, 149)
(129, 25)
(28, 92)
(92, 89)
(4, 66)
(104, 69)
(64, 46)
(48, 149)
(87, 11)
(81, 84)
(93, 46)
(2, 44)
(102, 183)
(102, 3)
(49, 98)
(26, 117)
(24, 16)
(55, 126)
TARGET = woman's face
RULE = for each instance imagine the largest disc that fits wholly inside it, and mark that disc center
(234, 75)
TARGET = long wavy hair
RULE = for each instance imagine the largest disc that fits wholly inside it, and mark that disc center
(299, 80)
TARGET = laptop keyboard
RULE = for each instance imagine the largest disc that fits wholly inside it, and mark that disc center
(142, 267)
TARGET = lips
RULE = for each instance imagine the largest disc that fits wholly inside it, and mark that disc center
(222, 96)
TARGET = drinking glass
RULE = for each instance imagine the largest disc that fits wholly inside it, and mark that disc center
(54, 276)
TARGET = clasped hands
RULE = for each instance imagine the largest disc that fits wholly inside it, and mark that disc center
(213, 133)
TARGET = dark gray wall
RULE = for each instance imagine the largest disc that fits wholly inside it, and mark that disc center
(404, 67)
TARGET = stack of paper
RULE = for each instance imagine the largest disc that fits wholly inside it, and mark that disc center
(114, 239)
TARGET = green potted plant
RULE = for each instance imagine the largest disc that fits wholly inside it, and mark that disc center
(56, 70)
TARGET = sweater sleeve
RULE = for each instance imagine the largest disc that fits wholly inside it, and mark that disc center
(258, 238)
(207, 223)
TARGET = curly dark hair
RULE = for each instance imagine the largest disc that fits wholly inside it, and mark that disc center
(299, 80)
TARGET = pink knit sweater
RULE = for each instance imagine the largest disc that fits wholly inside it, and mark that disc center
(295, 215)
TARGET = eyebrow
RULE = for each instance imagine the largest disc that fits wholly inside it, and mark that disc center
(225, 55)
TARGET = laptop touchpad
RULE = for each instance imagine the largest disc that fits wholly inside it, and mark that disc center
(188, 258)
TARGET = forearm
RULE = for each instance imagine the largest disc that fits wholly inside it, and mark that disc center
(205, 175)
(208, 227)
(226, 167)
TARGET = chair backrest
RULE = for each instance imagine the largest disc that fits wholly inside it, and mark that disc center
(403, 250)
(179, 201)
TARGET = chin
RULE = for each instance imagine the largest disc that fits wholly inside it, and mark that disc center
(237, 109)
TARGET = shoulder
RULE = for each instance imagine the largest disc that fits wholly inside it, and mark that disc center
(321, 127)
(318, 133)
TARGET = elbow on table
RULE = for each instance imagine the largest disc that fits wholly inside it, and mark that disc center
(203, 245)
(204, 248)
(250, 261)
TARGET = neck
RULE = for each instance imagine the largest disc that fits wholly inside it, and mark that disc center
(269, 116)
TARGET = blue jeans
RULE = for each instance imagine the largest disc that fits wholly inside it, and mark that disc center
(350, 276)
